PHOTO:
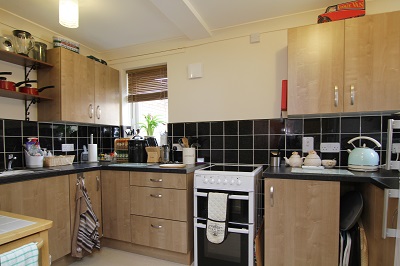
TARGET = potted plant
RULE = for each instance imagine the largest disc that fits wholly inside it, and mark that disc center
(152, 121)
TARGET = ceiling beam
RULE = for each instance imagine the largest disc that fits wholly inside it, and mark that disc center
(185, 17)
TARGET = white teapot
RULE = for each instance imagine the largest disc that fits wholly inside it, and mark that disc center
(295, 160)
(312, 159)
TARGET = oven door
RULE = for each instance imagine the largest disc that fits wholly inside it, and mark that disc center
(236, 250)
(239, 210)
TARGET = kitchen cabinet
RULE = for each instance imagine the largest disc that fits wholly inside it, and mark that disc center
(85, 91)
(93, 186)
(380, 251)
(344, 66)
(301, 222)
(46, 198)
(161, 210)
(116, 205)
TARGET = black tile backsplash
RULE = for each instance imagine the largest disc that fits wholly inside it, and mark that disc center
(14, 133)
(252, 141)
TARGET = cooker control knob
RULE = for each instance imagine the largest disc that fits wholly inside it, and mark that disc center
(205, 180)
(219, 181)
(239, 182)
(225, 181)
(232, 181)
(212, 180)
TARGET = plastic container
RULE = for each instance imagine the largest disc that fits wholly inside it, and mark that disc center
(33, 161)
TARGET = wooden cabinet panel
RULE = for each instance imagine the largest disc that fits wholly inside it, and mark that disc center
(152, 179)
(107, 95)
(116, 205)
(93, 187)
(372, 64)
(46, 198)
(315, 68)
(159, 233)
(301, 222)
(159, 202)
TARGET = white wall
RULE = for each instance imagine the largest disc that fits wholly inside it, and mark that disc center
(241, 80)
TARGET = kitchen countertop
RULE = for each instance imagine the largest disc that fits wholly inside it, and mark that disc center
(381, 178)
(85, 167)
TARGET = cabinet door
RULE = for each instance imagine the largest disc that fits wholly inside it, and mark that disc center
(107, 97)
(93, 187)
(301, 222)
(372, 64)
(116, 205)
(46, 198)
(77, 87)
(315, 68)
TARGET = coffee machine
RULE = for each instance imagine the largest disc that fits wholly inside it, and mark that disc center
(137, 150)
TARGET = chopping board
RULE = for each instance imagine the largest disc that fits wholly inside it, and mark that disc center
(173, 165)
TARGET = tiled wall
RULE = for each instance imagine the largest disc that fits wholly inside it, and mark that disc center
(13, 133)
(252, 141)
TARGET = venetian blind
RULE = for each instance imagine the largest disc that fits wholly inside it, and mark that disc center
(147, 84)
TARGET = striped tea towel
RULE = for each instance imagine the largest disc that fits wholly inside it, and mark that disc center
(27, 255)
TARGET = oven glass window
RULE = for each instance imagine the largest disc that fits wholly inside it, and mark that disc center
(238, 210)
(233, 251)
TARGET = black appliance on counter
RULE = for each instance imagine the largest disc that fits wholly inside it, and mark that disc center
(137, 150)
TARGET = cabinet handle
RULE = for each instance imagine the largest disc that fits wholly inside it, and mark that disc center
(156, 180)
(352, 94)
(91, 111)
(336, 96)
(98, 112)
(156, 226)
(156, 195)
(271, 196)
(98, 182)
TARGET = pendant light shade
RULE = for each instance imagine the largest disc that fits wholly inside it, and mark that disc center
(69, 13)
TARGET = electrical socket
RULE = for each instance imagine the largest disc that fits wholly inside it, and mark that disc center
(330, 147)
(67, 147)
(308, 144)
(396, 148)
(178, 147)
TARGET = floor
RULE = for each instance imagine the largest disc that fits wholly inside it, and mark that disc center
(108, 256)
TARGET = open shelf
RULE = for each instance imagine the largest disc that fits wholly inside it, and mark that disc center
(21, 95)
(22, 60)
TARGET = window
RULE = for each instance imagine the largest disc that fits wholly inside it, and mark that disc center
(148, 93)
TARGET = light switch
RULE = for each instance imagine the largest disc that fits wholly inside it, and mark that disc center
(195, 71)
(308, 144)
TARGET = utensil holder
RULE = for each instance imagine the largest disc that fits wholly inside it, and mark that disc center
(33, 161)
(189, 155)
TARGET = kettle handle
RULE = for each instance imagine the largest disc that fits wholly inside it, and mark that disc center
(367, 138)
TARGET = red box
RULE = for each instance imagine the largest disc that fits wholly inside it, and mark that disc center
(342, 11)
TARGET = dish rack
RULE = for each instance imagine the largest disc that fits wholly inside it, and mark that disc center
(121, 148)
(50, 161)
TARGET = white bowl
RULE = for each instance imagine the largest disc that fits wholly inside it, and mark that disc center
(329, 163)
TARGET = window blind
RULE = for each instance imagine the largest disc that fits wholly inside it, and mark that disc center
(147, 84)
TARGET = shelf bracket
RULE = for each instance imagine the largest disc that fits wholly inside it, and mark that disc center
(27, 106)
(27, 72)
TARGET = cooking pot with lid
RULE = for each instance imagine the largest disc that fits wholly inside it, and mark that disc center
(363, 158)
(6, 85)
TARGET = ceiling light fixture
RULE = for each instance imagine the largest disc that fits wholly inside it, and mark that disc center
(69, 13)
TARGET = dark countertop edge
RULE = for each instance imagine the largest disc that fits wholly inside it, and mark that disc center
(86, 167)
(382, 178)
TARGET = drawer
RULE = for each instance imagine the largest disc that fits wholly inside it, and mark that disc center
(159, 233)
(159, 202)
(164, 180)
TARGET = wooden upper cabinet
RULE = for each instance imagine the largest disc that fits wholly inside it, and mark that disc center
(315, 66)
(345, 66)
(85, 91)
(372, 67)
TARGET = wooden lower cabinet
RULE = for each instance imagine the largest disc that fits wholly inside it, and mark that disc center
(159, 233)
(301, 222)
(116, 205)
(46, 198)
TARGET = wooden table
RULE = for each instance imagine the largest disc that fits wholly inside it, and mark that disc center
(37, 232)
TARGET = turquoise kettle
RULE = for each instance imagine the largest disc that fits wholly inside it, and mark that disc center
(363, 158)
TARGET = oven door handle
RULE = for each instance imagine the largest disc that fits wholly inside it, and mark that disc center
(233, 197)
(230, 230)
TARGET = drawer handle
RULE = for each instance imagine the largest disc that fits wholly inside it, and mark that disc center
(156, 195)
(336, 92)
(156, 226)
(156, 180)
(352, 94)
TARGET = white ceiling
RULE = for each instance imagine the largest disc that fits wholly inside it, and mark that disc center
(111, 24)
